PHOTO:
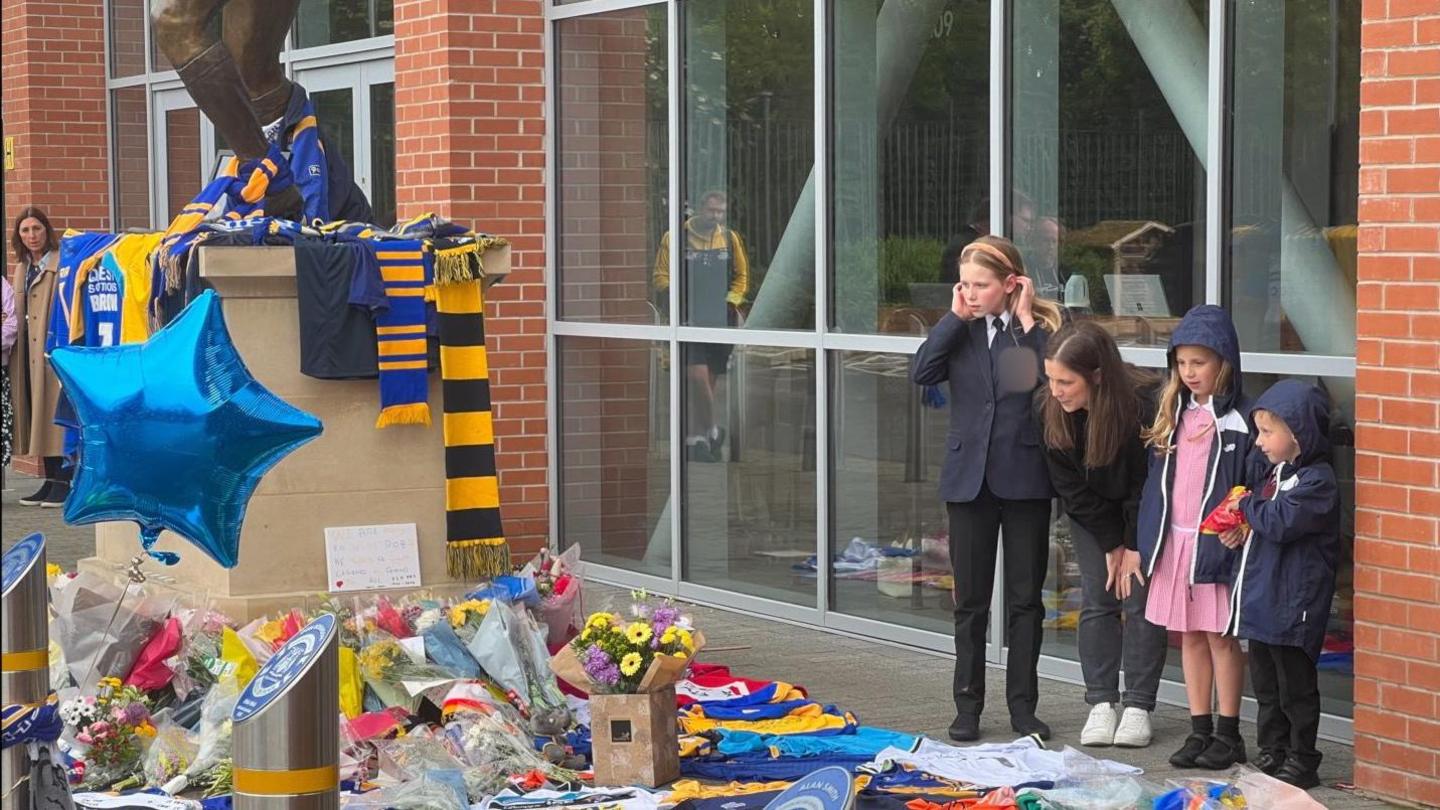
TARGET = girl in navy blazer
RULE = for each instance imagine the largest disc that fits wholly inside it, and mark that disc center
(989, 347)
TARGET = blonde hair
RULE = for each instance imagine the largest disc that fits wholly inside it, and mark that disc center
(1158, 436)
(1000, 256)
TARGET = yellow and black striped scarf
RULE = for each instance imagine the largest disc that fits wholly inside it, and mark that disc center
(476, 538)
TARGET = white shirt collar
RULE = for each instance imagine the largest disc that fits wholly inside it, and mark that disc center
(1208, 406)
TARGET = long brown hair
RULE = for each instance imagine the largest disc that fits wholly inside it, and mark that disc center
(22, 254)
(1114, 405)
(1000, 256)
(1158, 436)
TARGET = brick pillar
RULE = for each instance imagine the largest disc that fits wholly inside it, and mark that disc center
(53, 107)
(1397, 525)
(470, 146)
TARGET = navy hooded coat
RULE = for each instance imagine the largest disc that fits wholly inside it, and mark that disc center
(1209, 326)
(1286, 573)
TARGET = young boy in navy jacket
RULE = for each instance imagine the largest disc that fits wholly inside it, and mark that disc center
(1286, 574)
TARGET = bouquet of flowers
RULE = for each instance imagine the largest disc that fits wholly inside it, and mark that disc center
(113, 729)
(557, 580)
(648, 652)
(198, 664)
(465, 617)
(396, 678)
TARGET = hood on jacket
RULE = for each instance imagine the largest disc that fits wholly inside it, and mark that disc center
(1305, 409)
(1210, 326)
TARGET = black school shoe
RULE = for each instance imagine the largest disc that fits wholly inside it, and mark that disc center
(55, 498)
(1222, 753)
(965, 728)
(1269, 761)
(1301, 776)
(1194, 746)
(39, 496)
(1029, 724)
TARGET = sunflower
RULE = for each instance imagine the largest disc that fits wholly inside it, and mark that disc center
(638, 632)
(630, 664)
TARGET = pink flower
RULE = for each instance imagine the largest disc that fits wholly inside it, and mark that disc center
(85, 738)
(99, 729)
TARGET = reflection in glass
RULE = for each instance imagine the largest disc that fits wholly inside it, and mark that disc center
(1294, 163)
(613, 166)
(127, 37)
(750, 487)
(1108, 148)
(889, 532)
(182, 158)
(322, 22)
(382, 153)
(130, 165)
(614, 476)
(335, 112)
(748, 156)
(911, 165)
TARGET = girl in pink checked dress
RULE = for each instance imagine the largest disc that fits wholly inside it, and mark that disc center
(1201, 442)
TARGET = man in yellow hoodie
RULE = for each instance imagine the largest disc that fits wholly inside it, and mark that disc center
(715, 260)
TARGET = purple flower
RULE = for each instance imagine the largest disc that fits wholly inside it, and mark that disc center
(664, 616)
(597, 664)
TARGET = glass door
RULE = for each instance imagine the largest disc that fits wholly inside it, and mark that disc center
(355, 106)
(181, 138)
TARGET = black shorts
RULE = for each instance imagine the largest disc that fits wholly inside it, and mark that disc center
(715, 356)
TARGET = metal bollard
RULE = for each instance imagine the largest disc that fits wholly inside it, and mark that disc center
(24, 654)
(286, 743)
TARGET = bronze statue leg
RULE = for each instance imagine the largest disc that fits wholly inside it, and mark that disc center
(254, 33)
(211, 75)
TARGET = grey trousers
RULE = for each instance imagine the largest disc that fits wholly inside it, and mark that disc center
(1107, 643)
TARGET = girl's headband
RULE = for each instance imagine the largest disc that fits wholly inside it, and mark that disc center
(993, 252)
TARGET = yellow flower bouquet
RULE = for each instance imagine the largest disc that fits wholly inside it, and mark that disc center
(645, 653)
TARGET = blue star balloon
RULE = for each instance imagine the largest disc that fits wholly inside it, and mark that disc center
(175, 433)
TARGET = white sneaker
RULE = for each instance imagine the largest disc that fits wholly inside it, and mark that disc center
(1134, 728)
(1100, 727)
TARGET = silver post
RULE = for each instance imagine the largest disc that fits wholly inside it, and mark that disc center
(24, 654)
(287, 746)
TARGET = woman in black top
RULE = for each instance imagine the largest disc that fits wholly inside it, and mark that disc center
(1092, 420)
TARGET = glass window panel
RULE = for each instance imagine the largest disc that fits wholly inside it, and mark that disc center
(614, 416)
(748, 157)
(131, 158)
(182, 158)
(382, 153)
(912, 159)
(323, 22)
(127, 37)
(335, 113)
(888, 448)
(614, 175)
(1294, 166)
(1108, 135)
(750, 470)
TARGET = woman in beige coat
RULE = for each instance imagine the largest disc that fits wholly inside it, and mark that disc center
(34, 387)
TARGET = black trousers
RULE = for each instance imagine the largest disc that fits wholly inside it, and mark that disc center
(1287, 690)
(1026, 535)
(55, 469)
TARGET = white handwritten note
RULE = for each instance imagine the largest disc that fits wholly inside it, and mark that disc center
(368, 558)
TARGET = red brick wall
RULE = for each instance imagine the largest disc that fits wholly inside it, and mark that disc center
(53, 105)
(1397, 544)
(469, 145)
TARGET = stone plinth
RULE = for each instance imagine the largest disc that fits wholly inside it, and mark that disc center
(351, 475)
